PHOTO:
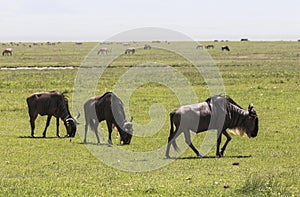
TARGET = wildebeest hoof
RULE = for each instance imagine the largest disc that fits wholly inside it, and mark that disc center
(199, 156)
(219, 155)
(168, 157)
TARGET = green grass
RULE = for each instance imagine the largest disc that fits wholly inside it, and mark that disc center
(264, 73)
(43, 55)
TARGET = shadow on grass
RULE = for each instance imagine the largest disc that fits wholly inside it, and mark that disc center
(102, 144)
(41, 137)
(211, 157)
(94, 144)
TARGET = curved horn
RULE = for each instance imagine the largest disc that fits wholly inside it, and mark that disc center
(70, 119)
(250, 107)
(78, 116)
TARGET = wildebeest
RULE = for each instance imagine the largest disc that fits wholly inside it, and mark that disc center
(7, 51)
(107, 107)
(199, 46)
(51, 104)
(147, 46)
(244, 39)
(217, 112)
(226, 48)
(103, 51)
(210, 46)
(130, 50)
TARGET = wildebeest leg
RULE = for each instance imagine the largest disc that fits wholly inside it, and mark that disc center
(96, 131)
(32, 125)
(171, 141)
(109, 127)
(187, 136)
(227, 141)
(86, 128)
(47, 125)
(218, 144)
(57, 127)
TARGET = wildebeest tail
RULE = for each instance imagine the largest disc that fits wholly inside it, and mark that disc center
(172, 133)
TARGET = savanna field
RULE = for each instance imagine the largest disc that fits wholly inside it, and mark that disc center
(266, 74)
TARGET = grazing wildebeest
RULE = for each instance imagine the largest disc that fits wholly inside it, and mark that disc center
(244, 39)
(217, 112)
(130, 50)
(110, 108)
(199, 46)
(7, 51)
(103, 51)
(226, 48)
(51, 104)
(210, 46)
(147, 46)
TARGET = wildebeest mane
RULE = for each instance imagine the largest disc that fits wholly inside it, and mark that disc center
(63, 107)
(225, 96)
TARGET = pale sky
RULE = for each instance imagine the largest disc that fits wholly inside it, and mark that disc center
(98, 20)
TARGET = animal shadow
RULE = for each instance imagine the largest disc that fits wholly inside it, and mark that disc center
(40, 137)
(94, 144)
(212, 157)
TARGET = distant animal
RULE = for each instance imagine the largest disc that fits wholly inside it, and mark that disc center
(103, 51)
(244, 39)
(217, 112)
(51, 104)
(199, 46)
(107, 107)
(226, 48)
(210, 46)
(7, 51)
(130, 50)
(147, 46)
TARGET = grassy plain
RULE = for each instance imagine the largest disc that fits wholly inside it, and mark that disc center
(264, 73)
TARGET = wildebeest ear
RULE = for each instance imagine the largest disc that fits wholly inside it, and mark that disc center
(250, 107)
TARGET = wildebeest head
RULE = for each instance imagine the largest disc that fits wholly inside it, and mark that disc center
(70, 124)
(126, 132)
(251, 122)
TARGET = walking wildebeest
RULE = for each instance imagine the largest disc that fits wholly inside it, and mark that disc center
(110, 108)
(103, 51)
(210, 46)
(51, 104)
(7, 51)
(199, 46)
(225, 48)
(130, 50)
(147, 46)
(217, 112)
